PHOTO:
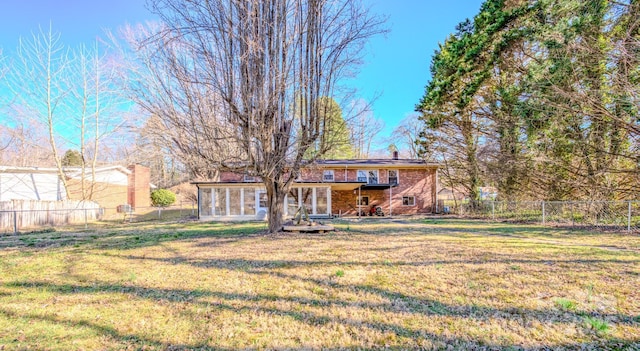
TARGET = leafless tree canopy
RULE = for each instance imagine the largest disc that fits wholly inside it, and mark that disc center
(61, 97)
(257, 68)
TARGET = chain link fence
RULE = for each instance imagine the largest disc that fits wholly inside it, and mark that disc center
(22, 221)
(616, 215)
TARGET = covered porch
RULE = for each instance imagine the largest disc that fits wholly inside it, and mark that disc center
(361, 199)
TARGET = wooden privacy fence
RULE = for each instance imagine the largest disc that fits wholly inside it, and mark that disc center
(19, 214)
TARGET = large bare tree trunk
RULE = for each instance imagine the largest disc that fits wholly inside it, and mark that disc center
(243, 80)
(276, 204)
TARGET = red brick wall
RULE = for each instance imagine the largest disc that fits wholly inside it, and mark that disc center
(412, 182)
(419, 182)
(231, 177)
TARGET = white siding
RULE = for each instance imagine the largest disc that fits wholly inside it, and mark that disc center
(30, 186)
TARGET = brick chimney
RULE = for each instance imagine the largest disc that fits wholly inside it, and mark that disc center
(139, 188)
(395, 155)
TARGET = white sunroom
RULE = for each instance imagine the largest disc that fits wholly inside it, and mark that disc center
(245, 201)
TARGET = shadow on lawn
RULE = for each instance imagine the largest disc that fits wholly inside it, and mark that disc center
(134, 341)
(245, 265)
(394, 302)
(128, 236)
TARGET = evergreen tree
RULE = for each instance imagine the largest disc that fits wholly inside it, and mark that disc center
(72, 158)
(539, 99)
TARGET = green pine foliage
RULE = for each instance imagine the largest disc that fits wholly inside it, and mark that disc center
(539, 99)
(72, 158)
(334, 140)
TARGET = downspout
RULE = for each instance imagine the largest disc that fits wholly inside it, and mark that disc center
(436, 194)
(198, 196)
(359, 201)
(390, 202)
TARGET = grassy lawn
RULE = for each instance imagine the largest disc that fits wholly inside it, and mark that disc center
(405, 284)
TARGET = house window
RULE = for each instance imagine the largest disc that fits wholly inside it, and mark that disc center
(371, 177)
(393, 176)
(327, 176)
(362, 176)
(263, 199)
(205, 202)
(362, 201)
(249, 178)
(408, 201)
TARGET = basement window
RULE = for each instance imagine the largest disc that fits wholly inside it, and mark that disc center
(408, 201)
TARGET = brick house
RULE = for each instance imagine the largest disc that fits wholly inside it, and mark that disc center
(328, 188)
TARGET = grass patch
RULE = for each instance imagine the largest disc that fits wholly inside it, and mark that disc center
(597, 325)
(442, 284)
(566, 304)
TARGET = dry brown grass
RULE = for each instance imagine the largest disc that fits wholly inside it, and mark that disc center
(438, 284)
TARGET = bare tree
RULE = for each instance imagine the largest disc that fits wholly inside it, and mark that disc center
(38, 85)
(185, 123)
(404, 136)
(69, 94)
(364, 127)
(260, 67)
(97, 105)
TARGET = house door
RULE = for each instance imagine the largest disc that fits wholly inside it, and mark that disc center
(262, 209)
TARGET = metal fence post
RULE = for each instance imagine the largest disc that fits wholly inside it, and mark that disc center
(629, 218)
(493, 210)
(86, 224)
(543, 217)
(15, 222)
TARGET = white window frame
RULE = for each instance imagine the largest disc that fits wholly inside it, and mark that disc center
(411, 201)
(367, 177)
(397, 176)
(359, 201)
(377, 172)
(326, 173)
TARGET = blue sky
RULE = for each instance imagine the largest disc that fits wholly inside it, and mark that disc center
(396, 66)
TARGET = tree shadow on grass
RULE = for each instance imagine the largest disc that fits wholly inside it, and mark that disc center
(244, 264)
(129, 341)
(128, 237)
(394, 302)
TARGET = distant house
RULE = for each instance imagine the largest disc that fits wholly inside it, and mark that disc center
(451, 194)
(328, 188)
(112, 186)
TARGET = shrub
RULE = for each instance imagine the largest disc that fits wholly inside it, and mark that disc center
(162, 197)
